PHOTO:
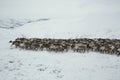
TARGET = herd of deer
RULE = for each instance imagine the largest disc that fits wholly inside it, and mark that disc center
(109, 46)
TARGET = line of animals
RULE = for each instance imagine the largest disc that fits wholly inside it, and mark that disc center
(109, 46)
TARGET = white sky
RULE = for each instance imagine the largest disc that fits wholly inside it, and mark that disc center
(55, 8)
(38, 7)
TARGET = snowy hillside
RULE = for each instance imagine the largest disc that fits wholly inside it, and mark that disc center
(58, 19)
(10, 23)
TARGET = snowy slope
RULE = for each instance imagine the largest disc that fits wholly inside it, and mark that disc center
(16, 64)
(70, 28)
(11, 23)
(68, 19)
(19, 64)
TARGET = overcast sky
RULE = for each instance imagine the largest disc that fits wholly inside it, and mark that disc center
(52, 8)
(38, 7)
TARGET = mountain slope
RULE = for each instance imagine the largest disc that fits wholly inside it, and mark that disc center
(68, 19)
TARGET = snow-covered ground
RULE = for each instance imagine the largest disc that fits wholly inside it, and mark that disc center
(11, 23)
(60, 19)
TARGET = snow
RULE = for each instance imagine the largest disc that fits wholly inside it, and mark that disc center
(51, 66)
(11, 23)
(72, 28)
(60, 19)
